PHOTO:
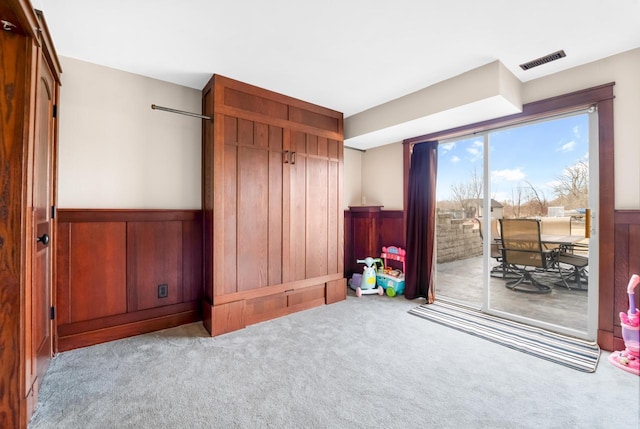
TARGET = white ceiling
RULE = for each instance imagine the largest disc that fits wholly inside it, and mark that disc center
(348, 55)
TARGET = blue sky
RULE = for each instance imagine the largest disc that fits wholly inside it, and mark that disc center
(537, 153)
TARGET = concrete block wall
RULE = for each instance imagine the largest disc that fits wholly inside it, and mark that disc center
(456, 238)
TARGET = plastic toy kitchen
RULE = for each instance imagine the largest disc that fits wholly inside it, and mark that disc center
(389, 278)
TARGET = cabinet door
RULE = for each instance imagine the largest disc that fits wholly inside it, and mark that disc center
(253, 171)
(315, 200)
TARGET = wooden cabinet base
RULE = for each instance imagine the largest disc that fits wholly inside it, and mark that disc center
(336, 291)
(232, 316)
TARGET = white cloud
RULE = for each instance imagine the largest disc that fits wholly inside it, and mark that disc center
(455, 159)
(567, 147)
(446, 147)
(508, 175)
(501, 196)
(576, 131)
(474, 151)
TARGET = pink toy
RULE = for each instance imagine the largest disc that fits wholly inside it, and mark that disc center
(392, 280)
(629, 358)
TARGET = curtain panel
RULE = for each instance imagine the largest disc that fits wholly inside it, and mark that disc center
(421, 222)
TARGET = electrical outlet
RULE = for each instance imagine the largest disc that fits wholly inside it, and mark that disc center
(163, 291)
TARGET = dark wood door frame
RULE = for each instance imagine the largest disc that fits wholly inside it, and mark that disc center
(601, 97)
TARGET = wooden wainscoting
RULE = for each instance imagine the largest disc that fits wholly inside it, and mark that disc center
(366, 230)
(126, 272)
(626, 263)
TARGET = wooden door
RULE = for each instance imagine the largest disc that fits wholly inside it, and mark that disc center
(39, 336)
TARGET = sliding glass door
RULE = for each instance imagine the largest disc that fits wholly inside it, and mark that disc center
(544, 172)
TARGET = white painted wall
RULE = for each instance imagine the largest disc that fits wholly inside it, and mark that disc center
(115, 151)
(623, 68)
(352, 184)
(382, 170)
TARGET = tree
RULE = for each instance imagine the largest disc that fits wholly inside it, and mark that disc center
(538, 198)
(466, 195)
(572, 187)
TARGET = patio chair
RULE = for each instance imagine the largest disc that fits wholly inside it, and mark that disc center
(499, 270)
(523, 254)
(569, 255)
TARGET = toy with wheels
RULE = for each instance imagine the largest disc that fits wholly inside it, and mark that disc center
(392, 280)
(365, 284)
(629, 358)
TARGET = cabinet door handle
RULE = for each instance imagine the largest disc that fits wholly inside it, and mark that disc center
(44, 239)
(293, 157)
(286, 156)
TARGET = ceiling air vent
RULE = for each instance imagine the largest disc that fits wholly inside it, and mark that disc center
(543, 60)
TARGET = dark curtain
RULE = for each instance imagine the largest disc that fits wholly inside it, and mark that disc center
(421, 222)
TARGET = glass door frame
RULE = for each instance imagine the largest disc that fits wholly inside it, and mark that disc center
(592, 291)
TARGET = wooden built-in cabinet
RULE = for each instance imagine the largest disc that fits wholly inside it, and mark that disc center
(126, 272)
(272, 188)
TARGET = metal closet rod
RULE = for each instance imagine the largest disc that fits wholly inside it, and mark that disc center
(181, 112)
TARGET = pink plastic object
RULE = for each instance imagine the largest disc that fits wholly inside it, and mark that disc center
(629, 358)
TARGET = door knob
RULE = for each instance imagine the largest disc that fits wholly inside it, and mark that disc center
(44, 239)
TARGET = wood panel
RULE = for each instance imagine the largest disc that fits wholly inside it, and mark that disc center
(316, 120)
(265, 308)
(276, 206)
(317, 210)
(333, 218)
(298, 209)
(252, 244)
(241, 100)
(366, 230)
(191, 261)
(154, 255)
(306, 298)
(255, 103)
(230, 238)
(392, 228)
(336, 291)
(627, 256)
(97, 282)
(110, 263)
(227, 318)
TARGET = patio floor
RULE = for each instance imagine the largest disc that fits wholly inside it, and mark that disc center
(462, 280)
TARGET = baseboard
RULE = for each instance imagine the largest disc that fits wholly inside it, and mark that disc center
(103, 335)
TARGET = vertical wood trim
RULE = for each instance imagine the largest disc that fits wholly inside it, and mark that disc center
(606, 276)
(218, 266)
(63, 300)
(14, 147)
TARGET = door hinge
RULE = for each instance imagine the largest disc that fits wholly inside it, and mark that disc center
(55, 110)
(53, 313)
(53, 212)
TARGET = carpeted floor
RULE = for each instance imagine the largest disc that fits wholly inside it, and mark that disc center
(361, 363)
